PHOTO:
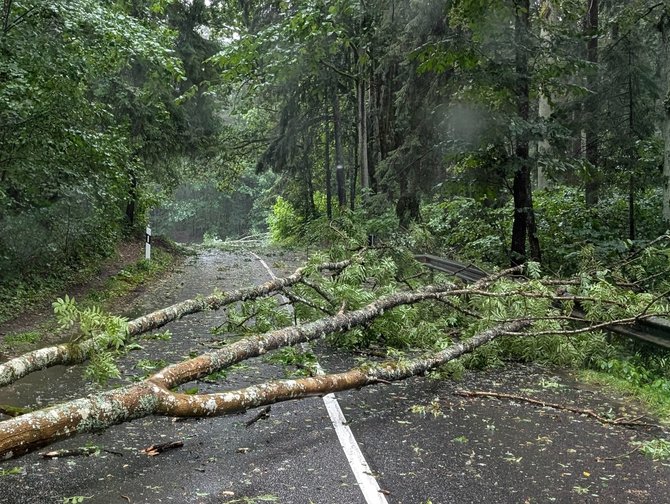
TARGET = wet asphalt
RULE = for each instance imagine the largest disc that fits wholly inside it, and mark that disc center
(423, 443)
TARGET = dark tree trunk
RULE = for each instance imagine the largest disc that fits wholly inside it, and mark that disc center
(631, 157)
(131, 206)
(523, 227)
(339, 158)
(593, 181)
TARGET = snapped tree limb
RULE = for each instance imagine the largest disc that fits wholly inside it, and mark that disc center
(153, 396)
(75, 353)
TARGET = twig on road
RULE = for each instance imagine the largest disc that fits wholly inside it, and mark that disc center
(624, 422)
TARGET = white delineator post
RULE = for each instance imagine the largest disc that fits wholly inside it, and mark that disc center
(147, 246)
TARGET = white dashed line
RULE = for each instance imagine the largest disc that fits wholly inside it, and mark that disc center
(366, 481)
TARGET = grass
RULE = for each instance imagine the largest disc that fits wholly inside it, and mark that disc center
(128, 279)
(656, 400)
(24, 338)
(30, 291)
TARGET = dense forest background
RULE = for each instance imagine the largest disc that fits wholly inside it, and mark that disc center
(492, 131)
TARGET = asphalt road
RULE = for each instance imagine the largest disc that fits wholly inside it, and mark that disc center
(423, 444)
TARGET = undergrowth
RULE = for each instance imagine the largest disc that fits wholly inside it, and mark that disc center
(614, 272)
(20, 295)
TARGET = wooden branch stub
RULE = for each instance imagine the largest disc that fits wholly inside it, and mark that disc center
(261, 415)
(154, 450)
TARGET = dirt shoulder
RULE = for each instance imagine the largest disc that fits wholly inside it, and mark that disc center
(119, 280)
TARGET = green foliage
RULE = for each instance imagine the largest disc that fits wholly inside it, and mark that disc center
(91, 322)
(254, 317)
(102, 367)
(109, 331)
(574, 237)
(148, 365)
(465, 228)
(75, 499)
(657, 449)
(304, 360)
(132, 276)
(13, 470)
(25, 338)
(284, 223)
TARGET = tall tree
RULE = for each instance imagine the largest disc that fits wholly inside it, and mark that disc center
(591, 130)
(524, 227)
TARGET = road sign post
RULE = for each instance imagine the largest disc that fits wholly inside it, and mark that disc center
(147, 246)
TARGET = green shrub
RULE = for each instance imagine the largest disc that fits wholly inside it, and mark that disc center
(284, 223)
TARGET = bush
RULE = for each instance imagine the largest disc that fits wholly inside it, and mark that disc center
(284, 223)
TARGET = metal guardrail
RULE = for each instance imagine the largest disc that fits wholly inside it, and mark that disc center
(654, 330)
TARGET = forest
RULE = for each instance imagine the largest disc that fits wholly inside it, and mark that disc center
(498, 131)
(528, 139)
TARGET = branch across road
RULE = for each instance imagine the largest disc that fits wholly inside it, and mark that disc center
(290, 456)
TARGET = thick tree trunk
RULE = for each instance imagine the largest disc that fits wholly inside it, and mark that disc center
(153, 397)
(75, 353)
(524, 227)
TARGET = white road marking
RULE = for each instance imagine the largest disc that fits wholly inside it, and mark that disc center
(366, 481)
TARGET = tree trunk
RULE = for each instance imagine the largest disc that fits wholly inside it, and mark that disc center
(339, 158)
(665, 72)
(131, 206)
(352, 177)
(631, 156)
(594, 179)
(524, 226)
(154, 396)
(309, 184)
(329, 172)
(68, 354)
(362, 135)
(544, 107)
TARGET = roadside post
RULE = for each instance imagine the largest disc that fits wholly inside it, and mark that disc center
(147, 245)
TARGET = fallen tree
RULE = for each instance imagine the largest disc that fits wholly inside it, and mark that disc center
(155, 395)
(79, 351)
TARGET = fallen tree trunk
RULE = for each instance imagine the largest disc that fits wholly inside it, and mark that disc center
(97, 412)
(76, 353)
(153, 396)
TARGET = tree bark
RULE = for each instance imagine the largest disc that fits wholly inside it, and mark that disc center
(544, 107)
(339, 157)
(329, 171)
(75, 353)
(524, 227)
(362, 135)
(664, 25)
(593, 181)
(153, 397)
